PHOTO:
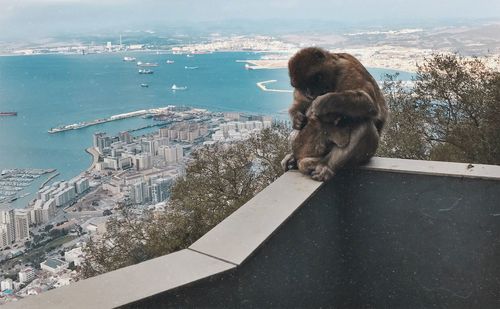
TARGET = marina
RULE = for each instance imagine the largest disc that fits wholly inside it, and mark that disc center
(14, 180)
(84, 124)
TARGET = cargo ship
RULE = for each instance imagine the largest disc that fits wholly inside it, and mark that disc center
(8, 113)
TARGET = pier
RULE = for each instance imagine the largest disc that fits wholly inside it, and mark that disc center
(48, 180)
(262, 86)
(81, 125)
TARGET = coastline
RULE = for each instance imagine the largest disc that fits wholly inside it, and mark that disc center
(95, 158)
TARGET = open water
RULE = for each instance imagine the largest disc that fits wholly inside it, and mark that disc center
(50, 90)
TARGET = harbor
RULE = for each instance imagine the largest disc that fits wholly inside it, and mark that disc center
(84, 124)
(12, 181)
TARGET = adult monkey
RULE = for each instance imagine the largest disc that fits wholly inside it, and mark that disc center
(338, 109)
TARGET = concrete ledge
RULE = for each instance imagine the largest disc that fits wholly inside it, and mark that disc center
(123, 286)
(437, 168)
(235, 238)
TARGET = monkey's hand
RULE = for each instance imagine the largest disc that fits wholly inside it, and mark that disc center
(299, 120)
(289, 162)
(318, 106)
(322, 173)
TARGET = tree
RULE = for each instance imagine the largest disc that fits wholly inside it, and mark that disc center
(451, 114)
(404, 136)
(218, 180)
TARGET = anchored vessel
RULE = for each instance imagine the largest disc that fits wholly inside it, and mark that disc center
(8, 113)
(175, 87)
(147, 64)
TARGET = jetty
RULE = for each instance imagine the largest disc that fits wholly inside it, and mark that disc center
(48, 179)
(84, 124)
(262, 86)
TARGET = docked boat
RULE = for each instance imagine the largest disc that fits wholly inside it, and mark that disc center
(170, 61)
(190, 68)
(145, 71)
(144, 85)
(147, 64)
(129, 59)
(8, 113)
(189, 56)
(175, 87)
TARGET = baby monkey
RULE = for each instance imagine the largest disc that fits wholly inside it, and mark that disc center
(338, 112)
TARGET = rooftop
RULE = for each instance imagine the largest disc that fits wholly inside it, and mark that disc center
(53, 263)
(396, 233)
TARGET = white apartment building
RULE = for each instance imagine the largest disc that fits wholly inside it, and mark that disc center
(74, 255)
(7, 284)
(26, 275)
(22, 219)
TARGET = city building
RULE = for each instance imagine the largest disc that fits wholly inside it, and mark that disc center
(173, 154)
(125, 137)
(6, 284)
(74, 255)
(5, 235)
(54, 265)
(22, 220)
(7, 219)
(143, 161)
(101, 141)
(26, 275)
(160, 189)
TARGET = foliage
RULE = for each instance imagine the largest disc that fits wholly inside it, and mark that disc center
(452, 113)
(218, 180)
(404, 136)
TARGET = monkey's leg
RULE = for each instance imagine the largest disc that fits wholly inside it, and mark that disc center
(351, 103)
(362, 146)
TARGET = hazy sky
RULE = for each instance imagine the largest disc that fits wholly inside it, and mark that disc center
(49, 17)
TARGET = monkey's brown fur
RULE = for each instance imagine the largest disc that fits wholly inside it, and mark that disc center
(338, 109)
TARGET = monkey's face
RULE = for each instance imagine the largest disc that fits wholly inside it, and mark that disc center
(312, 72)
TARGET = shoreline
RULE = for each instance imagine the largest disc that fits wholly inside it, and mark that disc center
(95, 158)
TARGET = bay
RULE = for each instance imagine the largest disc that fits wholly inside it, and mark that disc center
(51, 90)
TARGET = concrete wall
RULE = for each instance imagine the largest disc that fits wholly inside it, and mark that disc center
(395, 234)
(370, 239)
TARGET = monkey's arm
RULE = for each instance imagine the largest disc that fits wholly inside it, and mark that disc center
(350, 103)
(298, 110)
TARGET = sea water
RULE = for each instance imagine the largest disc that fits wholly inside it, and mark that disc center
(52, 90)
